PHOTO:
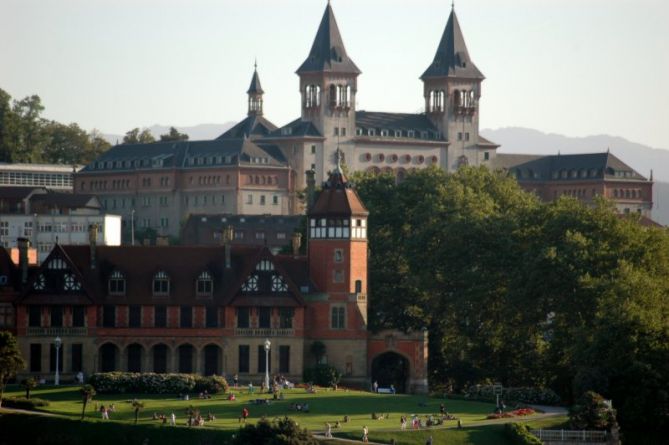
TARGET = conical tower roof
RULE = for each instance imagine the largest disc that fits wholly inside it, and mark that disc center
(255, 87)
(338, 197)
(327, 52)
(452, 58)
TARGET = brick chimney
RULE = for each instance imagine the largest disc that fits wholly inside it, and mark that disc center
(297, 242)
(23, 245)
(93, 241)
(227, 236)
(311, 188)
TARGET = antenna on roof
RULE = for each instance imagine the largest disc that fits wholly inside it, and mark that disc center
(338, 158)
(452, 5)
(608, 149)
(255, 64)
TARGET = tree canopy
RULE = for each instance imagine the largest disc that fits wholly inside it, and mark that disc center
(559, 295)
(173, 135)
(11, 360)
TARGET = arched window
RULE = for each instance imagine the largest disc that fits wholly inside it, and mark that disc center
(278, 285)
(205, 285)
(161, 283)
(333, 95)
(116, 283)
(251, 284)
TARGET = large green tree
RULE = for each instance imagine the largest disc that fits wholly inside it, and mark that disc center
(137, 136)
(11, 360)
(173, 135)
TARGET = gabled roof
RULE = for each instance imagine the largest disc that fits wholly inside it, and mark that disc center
(183, 265)
(576, 167)
(251, 127)
(327, 52)
(452, 58)
(338, 198)
(296, 128)
(255, 87)
(418, 122)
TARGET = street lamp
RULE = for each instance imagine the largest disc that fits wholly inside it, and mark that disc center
(58, 342)
(268, 344)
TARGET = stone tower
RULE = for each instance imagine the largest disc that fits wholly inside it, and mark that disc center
(337, 255)
(255, 93)
(452, 88)
(328, 85)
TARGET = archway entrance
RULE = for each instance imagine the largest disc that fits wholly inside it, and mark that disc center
(108, 353)
(160, 358)
(390, 368)
(134, 358)
(211, 360)
(186, 359)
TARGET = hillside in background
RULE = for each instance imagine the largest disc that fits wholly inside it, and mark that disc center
(199, 132)
(640, 157)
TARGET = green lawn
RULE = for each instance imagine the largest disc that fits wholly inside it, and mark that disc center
(325, 406)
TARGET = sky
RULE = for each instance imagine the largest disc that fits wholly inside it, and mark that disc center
(574, 67)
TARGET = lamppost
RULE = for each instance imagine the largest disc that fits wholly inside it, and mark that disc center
(57, 342)
(268, 344)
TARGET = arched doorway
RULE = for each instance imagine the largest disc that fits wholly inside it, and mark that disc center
(160, 359)
(108, 356)
(186, 355)
(134, 352)
(390, 368)
(211, 360)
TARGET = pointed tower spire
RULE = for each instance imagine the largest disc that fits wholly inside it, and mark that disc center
(327, 52)
(255, 93)
(452, 58)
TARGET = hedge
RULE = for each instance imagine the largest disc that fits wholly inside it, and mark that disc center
(519, 434)
(22, 403)
(151, 383)
(43, 430)
(537, 396)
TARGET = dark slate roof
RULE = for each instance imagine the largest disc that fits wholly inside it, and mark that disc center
(184, 154)
(338, 198)
(66, 200)
(206, 229)
(506, 161)
(255, 87)
(182, 264)
(396, 121)
(483, 141)
(297, 128)
(327, 52)
(576, 167)
(253, 126)
(13, 192)
(452, 58)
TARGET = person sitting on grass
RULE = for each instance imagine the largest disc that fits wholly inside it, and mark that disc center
(231, 397)
(337, 424)
(346, 419)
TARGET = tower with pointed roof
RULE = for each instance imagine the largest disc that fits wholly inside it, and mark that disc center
(337, 255)
(452, 89)
(328, 85)
(255, 94)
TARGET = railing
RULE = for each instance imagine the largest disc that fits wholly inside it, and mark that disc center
(264, 332)
(53, 331)
(570, 436)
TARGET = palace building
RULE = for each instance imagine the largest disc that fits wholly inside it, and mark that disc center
(209, 309)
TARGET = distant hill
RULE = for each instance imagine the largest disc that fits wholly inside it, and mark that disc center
(195, 133)
(640, 157)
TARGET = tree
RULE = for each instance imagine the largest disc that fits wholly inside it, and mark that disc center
(137, 406)
(28, 136)
(11, 360)
(29, 384)
(135, 136)
(278, 432)
(87, 393)
(173, 135)
(7, 125)
(592, 412)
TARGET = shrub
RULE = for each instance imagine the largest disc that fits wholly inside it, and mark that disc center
(23, 403)
(278, 432)
(322, 375)
(538, 396)
(592, 412)
(520, 434)
(151, 383)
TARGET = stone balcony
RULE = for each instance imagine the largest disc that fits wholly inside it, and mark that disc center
(264, 332)
(56, 331)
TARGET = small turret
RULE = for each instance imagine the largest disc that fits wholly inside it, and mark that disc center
(255, 93)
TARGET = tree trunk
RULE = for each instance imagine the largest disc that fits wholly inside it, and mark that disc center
(83, 410)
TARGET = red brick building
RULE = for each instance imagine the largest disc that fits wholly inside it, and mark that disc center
(209, 309)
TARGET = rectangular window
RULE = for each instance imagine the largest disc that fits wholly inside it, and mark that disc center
(243, 317)
(286, 317)
(6, 316)
(160, 316)
(338, 255)
(260, 235)
(78, 316)
(281, 235)
(336, 131)
(275, 200)
(35, 357)
(264, 317)
(109, 316)
(358, 286)
(261, 359)
(186, 318)
(466, 136)
(338, 317)
(262, 200)
(486, 156)
(343, 131)
(338, 276)
(77, 357)
(244, 356)
(52, 358)
(57, 316)
(35, 316)
(135, 316)
(164, 222)
(212, 317)
(459, 136)
(249, 199)
(284, 359)
(313, 149)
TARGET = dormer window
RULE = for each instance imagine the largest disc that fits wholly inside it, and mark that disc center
(57, 264)
(251, 284)
(116, 283)
(278, 285)
(70, 282)
(40, 282)
(205, 285)
(161, 284)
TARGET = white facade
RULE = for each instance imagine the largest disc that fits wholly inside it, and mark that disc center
(44, 231)
(51, 176)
